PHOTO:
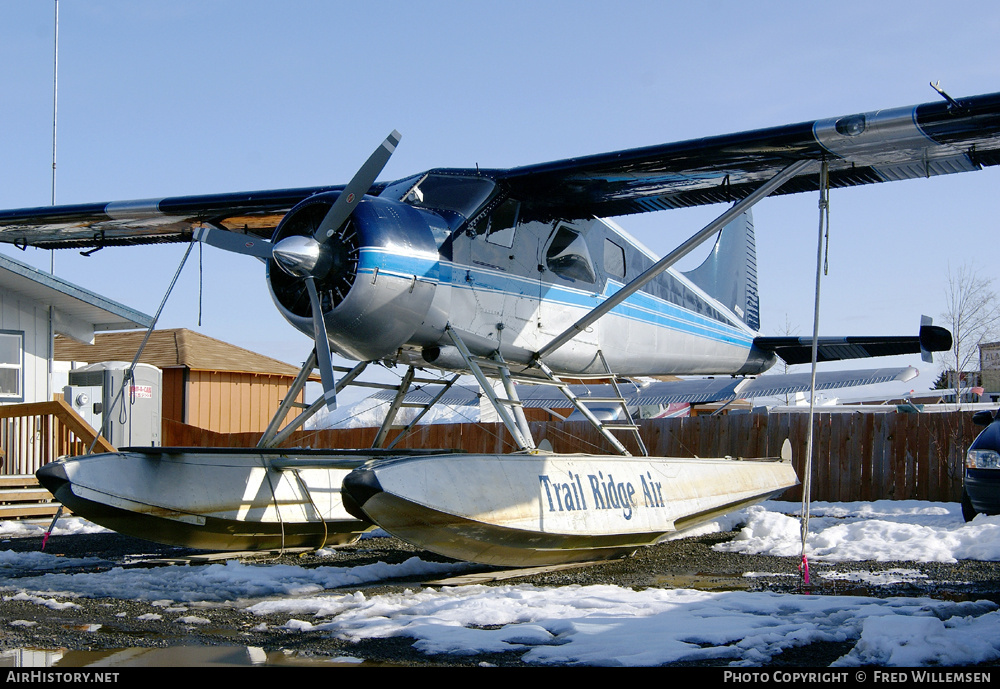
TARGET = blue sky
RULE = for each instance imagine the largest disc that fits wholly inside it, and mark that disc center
(164, 98)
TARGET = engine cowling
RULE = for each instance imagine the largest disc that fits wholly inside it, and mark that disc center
(376, 275)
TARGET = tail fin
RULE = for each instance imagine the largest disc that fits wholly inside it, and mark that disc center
(729, 274)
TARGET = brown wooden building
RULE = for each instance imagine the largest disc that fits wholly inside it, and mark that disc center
(206, 382)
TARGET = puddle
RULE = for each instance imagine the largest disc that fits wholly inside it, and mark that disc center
(173, 656)
(867, 584)
(83, 627)
(704, 582)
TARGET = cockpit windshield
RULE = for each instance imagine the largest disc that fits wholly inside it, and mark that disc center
(461, 194)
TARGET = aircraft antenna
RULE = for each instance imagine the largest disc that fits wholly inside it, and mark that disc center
(952, 103)
(55, 110)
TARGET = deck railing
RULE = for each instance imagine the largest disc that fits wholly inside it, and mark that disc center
(31, 435)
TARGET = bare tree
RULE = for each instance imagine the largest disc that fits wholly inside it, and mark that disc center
(783, 367)
(972, 313)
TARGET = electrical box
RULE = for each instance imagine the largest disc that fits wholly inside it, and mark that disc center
(87, 401)
(127, 416)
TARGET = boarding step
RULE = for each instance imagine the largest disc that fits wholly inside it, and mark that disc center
(584, 404)
(22, 496)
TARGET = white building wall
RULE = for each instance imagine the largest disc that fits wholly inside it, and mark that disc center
(26, 316)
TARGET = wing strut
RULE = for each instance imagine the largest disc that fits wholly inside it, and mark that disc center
(671, 258)
(272, 436)
(510, 408)
(388, 423)
(127, 379)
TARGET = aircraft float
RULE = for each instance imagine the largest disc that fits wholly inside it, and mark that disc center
(512, 275)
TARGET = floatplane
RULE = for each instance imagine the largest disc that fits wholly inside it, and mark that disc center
(516, 277)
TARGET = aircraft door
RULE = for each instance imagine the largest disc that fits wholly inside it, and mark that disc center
(495, 275)
(569, 284)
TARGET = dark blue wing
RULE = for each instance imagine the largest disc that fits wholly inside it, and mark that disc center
(149, 221)
(885, 145)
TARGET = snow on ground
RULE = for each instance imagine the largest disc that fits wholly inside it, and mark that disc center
(606, 625)
(883, 530)
(369, 413)
(64, 527)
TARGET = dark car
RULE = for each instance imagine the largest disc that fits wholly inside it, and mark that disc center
(981, 489)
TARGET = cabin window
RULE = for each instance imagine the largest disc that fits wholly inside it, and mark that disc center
(501, 223)
(11, 365)
(568, 256)
(614, 259)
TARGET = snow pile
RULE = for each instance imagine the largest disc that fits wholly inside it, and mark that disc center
(217, 583)
(12, 563)
(884, 530)
(924, 640)
(66, 526)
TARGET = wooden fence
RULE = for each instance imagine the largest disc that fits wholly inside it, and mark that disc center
(857, 456)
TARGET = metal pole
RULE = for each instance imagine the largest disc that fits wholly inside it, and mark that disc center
(55, 111)
(807, 471)
(290, 398)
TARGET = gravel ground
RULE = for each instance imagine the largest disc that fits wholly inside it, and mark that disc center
(687, 563)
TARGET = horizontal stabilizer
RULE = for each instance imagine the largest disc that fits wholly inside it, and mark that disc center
(798, 350)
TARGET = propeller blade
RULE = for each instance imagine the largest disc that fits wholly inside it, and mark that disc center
(342, 208)
(323, 356)
(233, 241)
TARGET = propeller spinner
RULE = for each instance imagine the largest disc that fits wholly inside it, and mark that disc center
(311, 258)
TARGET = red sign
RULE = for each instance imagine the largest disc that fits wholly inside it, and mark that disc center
(144, 391)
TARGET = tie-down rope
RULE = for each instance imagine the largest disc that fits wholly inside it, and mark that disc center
(822, 266)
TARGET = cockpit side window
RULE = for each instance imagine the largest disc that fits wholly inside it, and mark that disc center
(501, 223)
(568, 256)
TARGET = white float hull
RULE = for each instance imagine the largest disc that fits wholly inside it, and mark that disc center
(212, 499)
(537, 509)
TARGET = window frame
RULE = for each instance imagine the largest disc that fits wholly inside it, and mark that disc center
(613, 249)
(570, 261)
(18, 367)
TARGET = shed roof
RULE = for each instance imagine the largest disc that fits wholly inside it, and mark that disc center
(174, 348)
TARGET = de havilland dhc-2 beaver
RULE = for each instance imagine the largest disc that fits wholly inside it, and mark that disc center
(514, 276)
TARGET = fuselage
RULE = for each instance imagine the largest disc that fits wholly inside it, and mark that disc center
(411, 264)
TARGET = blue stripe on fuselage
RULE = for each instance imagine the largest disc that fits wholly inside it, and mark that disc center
(641, 306)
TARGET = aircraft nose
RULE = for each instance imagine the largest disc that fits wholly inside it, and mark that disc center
(359, 487)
